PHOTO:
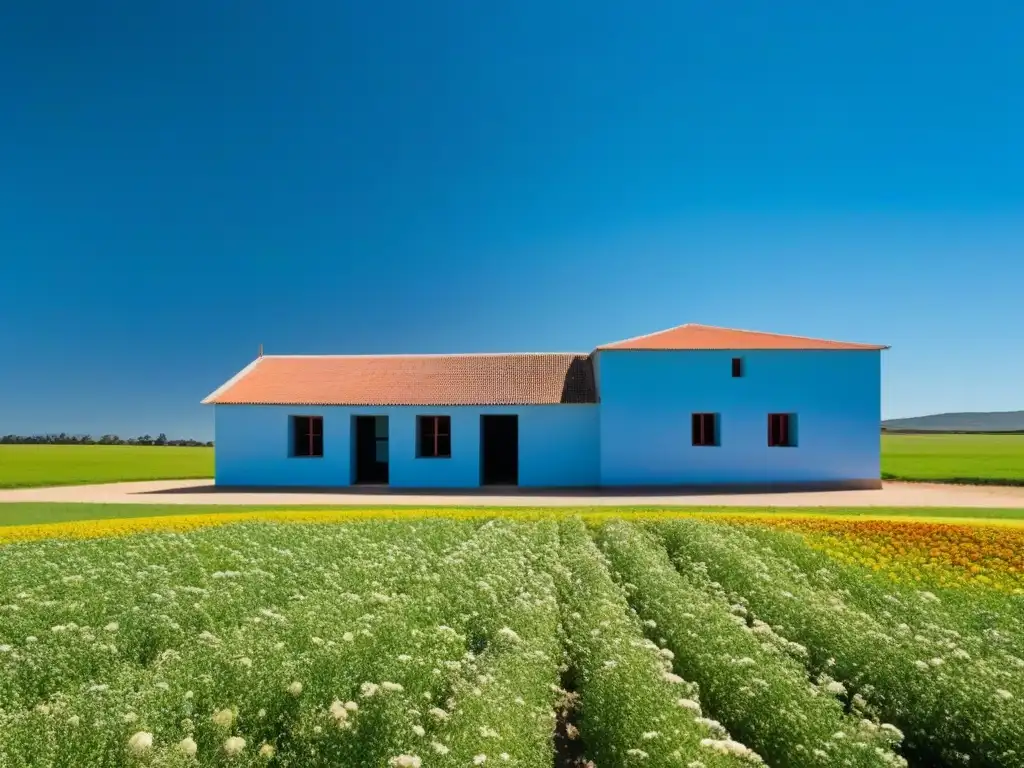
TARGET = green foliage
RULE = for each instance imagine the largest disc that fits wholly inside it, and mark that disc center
(957, 699)
(333, 645)
(751, 679)
(628, 697)
(443, 642)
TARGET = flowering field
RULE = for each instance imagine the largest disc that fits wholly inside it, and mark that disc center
(468, 641)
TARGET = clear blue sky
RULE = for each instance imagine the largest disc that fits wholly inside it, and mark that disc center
(180, 182)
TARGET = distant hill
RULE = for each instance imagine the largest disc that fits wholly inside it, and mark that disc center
(997, 421)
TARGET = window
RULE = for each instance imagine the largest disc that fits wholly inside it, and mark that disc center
(737, 367)
(435, 437)
(782, 430)
(705, 429)
(307, 436)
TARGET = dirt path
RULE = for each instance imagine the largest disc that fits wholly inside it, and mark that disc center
(203, 492)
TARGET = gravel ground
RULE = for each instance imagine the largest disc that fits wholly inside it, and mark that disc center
(893, 494)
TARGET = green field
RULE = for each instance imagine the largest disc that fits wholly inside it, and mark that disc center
(985, 459)
(24, 466)
(444, 643)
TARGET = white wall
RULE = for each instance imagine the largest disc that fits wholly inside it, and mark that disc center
(558, 446)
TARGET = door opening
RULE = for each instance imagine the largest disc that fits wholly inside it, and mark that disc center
(370, 450)
(499, 450)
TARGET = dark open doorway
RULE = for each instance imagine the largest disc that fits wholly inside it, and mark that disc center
(499, 450)
(370, 450)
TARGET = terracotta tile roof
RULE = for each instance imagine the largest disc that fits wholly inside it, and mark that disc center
(499, 379)
(694, 336)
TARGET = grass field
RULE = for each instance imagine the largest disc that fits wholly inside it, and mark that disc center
(23, 466)
(982, 459)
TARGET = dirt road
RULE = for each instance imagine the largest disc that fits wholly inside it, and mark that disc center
(203, 492)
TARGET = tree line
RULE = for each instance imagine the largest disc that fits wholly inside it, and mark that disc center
(66, 439)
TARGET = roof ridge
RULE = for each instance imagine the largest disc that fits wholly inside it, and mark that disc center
(655, 333)
(435, 354)
(719, 328)
(231, 382)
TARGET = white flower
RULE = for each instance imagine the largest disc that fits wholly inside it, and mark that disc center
(348, 637)
(234, 745)
(676, 679)
(936, 662)
(479, 759)
(368, 689)
(6, 648)
(649, 735)
(637, 753)
(665, 653)
(922, 665)
(1002, 693)
(688, 704)
(508, 634)
(140, 742)
(419, 730)
(188, 746)
(351, 706)
(727, 746)
(438, 713)
(438, 747)
(338, 711)
(505, 757)
(406, 761)
(404, 657)
(74, 720)
(112, 627)
(487, 732)
(836, 687)
(295, 689)
(267, 751)
(224, 717)
(130, 717)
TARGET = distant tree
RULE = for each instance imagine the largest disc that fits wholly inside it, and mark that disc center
(63, 438)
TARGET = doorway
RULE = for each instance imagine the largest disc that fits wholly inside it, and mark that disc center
(370, 450)
(499, 450)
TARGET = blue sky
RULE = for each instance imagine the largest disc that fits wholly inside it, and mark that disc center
(184, 181)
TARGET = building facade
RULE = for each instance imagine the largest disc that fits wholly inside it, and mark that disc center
(691, 406)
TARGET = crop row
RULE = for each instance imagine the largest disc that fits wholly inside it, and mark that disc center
(956, 701)
(457, 643)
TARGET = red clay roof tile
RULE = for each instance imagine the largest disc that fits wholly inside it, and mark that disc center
(694, 336)
(500, 379)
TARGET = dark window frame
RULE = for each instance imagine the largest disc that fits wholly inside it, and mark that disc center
(737, 368)
(433, 433)
(702, 433)
(311, 429)
(782, 430)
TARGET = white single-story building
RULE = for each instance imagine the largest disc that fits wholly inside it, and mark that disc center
(693, 405)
